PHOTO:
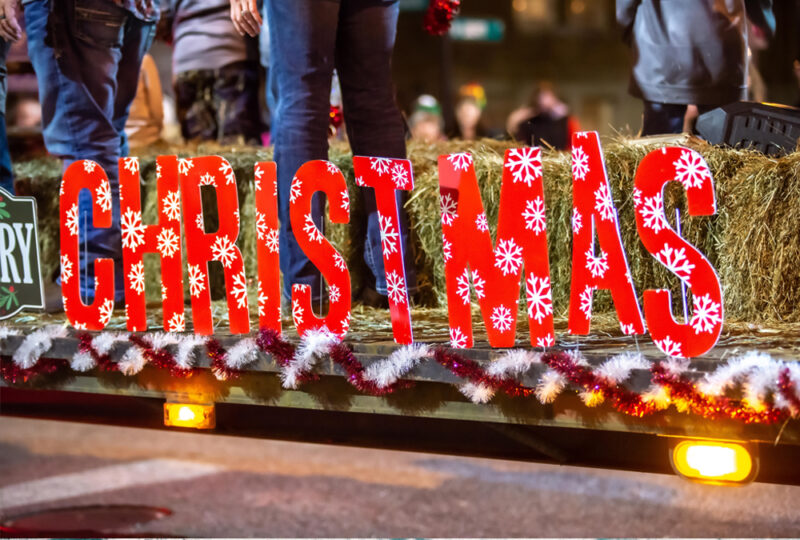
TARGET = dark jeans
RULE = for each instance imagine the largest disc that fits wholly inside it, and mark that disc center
(219, 104)
(6, 179)
(308, 39)
(661, 118)
(87, 55)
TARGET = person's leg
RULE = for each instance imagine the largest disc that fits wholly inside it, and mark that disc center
(6, 178)
(194, 104)
(74, 46)
(662, 118)
(236, 97)
(302, 41)
(375, 127)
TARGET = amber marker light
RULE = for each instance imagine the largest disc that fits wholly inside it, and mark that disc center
(189, 415)
(714, 462)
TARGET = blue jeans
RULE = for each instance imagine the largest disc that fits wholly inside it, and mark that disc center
(308, 39)
(662, 118)
(6, 179)
(87, 55)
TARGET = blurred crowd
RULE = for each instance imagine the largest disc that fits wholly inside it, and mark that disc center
(295, 74)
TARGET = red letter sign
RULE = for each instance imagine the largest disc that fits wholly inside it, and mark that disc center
(267, 245)
(218, 246)
(85, 175)
(593, 210)
(701, 332)
(385, 176)
(163, 238)
(322, 176)
(495, 273)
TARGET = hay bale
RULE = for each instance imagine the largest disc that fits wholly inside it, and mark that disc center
(753, 241)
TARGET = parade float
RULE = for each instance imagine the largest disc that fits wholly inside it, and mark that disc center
(632, 305)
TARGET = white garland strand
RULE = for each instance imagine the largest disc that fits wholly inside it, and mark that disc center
(186, 355)
(313, 344)
(242, 354)
(102, 344)
(386, 372)
(512, 364)
(36, 344)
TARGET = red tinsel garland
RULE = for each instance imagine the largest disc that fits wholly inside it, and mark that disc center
(788, 391)
(103, 361)
(439, 16)
(271, 342)
(219, 367)
(343, 355)
(14, 374)
(474, 373)
(161, 358)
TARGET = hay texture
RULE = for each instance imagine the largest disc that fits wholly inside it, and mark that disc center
(753, 241)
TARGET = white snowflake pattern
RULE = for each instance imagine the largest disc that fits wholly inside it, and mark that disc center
(457, 339)
(501, 318)
(400, 176)
(637, 197)
(447, 249)
(380, 165)
(334, 295)
(297, 312)
(163, 291)
(538, 294)
(339, 261)
(273, 240)
(184, 165)
(597, 265)
(197, 280)
(546, 341)
(577, 221)
(176, 323)
(103, 197)
(627, 329)
(295, 189)
(259, 172)
(261, 225)
(345, 200)
(239, 290)
(675, 260)
(89, 166)
(481, 222)
(105, 311)
(79, 325)
(262, 301)
(198, 221)
(331, 168)
(706, 314)
(396, 288)
(136, 277)
(508, 257)
(168, 242)
(227, 172)
(535, 219)
(691, 170)
(130, 164)
(72, 220)
(603, 203)
(460, 161)
(669, 347)
(448, 206)
(66, 268)
(652, 212)
(208, 179)
(172, 205)
(462, 286)
(586, 301)
(310, 228)
(478, 284)
(389, 237)
(525, 164)
(132, 229)
(224, 251)
(580, 163)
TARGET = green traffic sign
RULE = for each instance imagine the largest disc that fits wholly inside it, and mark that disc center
(474, 29)
(20, 273)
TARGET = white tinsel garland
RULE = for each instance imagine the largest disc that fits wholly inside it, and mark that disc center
(315, 343)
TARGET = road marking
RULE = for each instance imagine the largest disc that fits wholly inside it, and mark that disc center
(101, 480)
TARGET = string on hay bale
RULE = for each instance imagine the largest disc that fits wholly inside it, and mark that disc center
(753, 241)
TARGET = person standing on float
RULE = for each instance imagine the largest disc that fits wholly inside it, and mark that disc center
(688, 52)
(308, 39)
(87, 55)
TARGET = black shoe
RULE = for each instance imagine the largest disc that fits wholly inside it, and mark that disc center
(52, 298)
(372, 298)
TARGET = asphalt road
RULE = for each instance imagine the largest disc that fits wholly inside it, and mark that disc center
(236, 487)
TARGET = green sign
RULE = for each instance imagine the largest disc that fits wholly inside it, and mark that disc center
(20, 275)
(472, 29)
